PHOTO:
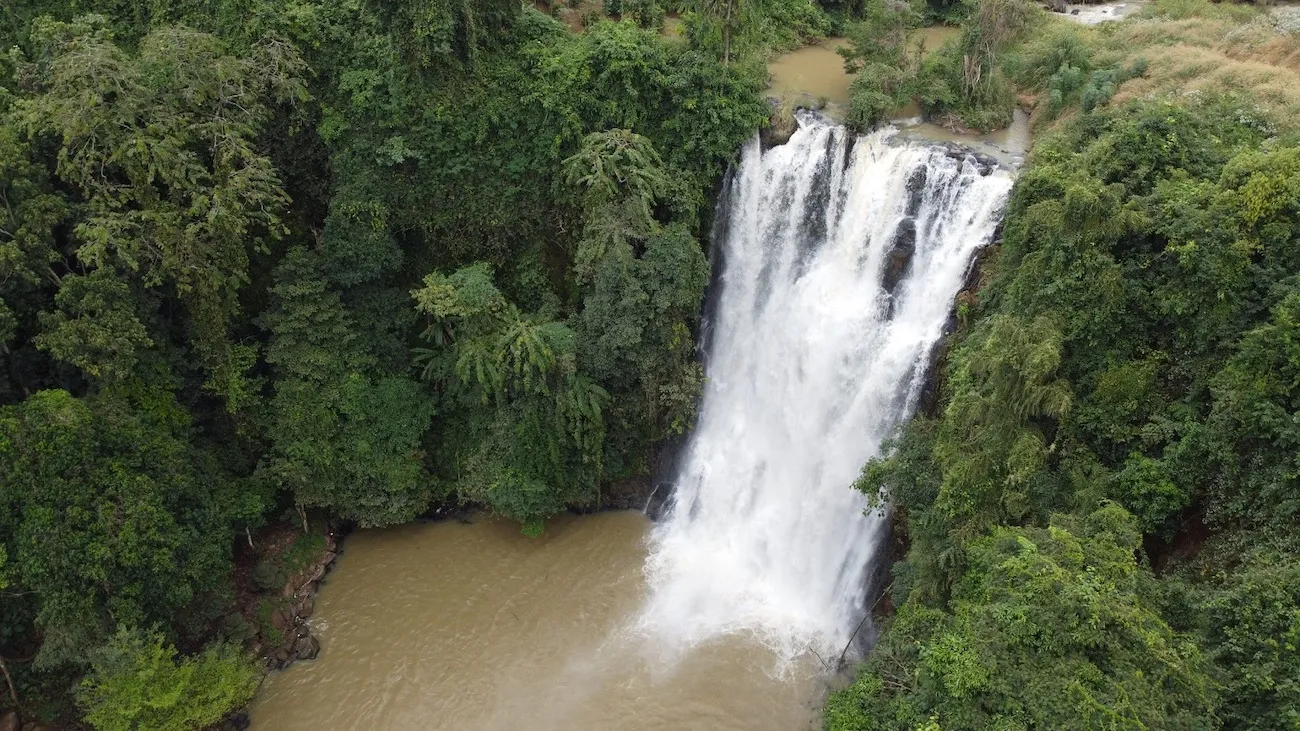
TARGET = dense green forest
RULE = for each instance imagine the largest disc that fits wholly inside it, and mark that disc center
(270, 263)
(1098, 516)
(265, 261)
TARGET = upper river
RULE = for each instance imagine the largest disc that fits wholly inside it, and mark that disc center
(474, 626)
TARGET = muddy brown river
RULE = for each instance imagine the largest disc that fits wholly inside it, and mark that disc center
(474, 626)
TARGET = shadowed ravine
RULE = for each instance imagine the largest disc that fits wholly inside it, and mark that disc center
(840, 261)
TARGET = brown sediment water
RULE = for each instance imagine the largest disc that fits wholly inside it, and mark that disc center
(816, 73)
(814, 76)
(1008, 145)
(812, 73)
(474, 626)
(934, 36)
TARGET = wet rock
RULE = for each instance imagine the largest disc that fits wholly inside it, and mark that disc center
(9, 721)
(328, 558)
(307, 648)
(987, 163)
(929, 400)
(630, 493)
(782, 128)
(1057, 6)
(281, 620)
(306, 607)
(915, 190)
(282, 656)
(899, 258)
(1074, 12)
(240, 720)
(314, 576)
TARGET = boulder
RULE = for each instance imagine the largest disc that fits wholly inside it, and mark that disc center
(9, 721)
(306, 648)
(281, 620)
(316, 573)
(915, 190)
(1057, 6)
(306, 607)
(782, 126)
(899, 258)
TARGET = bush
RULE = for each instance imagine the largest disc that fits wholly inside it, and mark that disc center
(268, 576)
(1251, 622)
(878, 91)
(793, 23)
(647, 14)
(235, 628)
(137, 682)
(1048, 629)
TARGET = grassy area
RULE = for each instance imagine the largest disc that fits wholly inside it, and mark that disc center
(1183, 46)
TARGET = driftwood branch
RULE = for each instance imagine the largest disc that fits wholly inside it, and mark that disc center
(840, 663)
(13, 692)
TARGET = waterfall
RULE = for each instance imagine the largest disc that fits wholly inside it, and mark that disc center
(840, 259)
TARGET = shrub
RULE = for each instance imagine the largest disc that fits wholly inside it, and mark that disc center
(268, 576)
(878, 90)
(137, 682)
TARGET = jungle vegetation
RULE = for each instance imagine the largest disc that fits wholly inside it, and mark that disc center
(268, 261)
(1096, 519)
(265, 262)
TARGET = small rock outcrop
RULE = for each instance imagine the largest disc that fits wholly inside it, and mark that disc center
(294, 638)
(781, 127)
(916, 189)
(899, 257)
(9, 721)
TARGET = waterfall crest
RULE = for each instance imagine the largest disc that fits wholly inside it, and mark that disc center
(840, 259)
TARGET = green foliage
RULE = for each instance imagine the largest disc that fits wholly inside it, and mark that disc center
(538, 445)
(160, 146)
(433, 32)
(268, 576)
(648, 14)
(95, 327)
(878, 53)
(233, 199)
(1048, 629)
(342, 439)
(111, 514)
(137, 682)
(1132, 346)
(1249, 616)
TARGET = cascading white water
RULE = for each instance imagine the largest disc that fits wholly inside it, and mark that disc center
(812, 362)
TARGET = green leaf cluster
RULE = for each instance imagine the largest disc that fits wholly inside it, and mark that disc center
(137, 682)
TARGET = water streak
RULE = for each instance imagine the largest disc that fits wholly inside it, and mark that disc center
(840, 261)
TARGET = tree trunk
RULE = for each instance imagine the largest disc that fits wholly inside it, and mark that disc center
(13, 693)
(726, 36)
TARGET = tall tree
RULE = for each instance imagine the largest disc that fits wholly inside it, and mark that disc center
(161, 146)
(112, 516)
(341, 438)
